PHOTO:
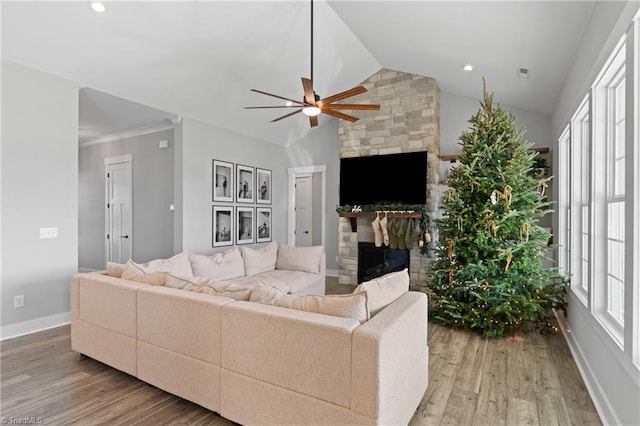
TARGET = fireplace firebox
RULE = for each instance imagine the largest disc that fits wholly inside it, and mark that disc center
(375, 261)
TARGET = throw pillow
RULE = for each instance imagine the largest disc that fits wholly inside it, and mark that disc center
(305, 259)
(260, 260)
(176, 265)
(221, 266)
(384, 290)
(346, 305)
(114, 269)
(134, 272)
(210, 286)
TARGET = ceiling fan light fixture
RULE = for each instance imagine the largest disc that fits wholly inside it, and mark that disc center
(311, 111)
(97, 6)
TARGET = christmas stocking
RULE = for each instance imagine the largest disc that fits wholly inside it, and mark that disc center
(402, 227)
(410, 234)
(393, 233)
(377, 231)
(385, 231)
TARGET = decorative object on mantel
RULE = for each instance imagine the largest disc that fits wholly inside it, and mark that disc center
(312, 105)
(488, 275)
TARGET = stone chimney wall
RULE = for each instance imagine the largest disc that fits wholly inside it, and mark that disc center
(408, 121)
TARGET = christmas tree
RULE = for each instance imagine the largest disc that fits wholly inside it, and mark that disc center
(488, 275)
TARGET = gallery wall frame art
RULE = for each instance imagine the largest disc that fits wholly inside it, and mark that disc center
(222, 228)
(223, 179)
(263, 186)
(263, 224)
(244, 225)
(245, 184)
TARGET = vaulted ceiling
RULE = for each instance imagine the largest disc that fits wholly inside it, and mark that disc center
(199, 59)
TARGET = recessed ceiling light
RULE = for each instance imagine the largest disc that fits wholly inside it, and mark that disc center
(468, 67)
(97, 6)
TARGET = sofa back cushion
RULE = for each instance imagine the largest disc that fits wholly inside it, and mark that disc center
(222, 266)
(260, 260)
(115, 269)
(384, 290)
(135, 272)
(343, 305)
(210, 286)
(304, 259)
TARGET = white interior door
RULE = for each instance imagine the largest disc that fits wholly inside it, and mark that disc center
(119, 238)
(304, 211)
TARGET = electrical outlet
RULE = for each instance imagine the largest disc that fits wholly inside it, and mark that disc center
(46, 233)
(18, 301)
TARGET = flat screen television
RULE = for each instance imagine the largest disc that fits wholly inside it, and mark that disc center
(384, 179)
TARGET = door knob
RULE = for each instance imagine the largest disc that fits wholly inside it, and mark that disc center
(124, 236)
(306, 232)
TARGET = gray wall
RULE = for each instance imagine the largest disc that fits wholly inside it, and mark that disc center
(201, 143)
(152, 227)
(39, 184)
(318, 148)
(609, 371)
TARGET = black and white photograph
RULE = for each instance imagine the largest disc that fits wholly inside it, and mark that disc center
(222, 181)
(263, 186)
(245, 225)
(245, 184)
(263, 224)
(222, 226)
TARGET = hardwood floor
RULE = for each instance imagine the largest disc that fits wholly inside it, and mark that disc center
(522, 380)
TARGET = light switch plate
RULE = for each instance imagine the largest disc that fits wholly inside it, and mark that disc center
(46, 233)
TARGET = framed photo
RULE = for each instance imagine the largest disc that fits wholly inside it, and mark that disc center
(222, 181)
(263, 224)
(222, 226)
(245, 225)
(263, 186)
(245, 184)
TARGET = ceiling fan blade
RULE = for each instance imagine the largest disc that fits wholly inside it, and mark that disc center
(279, 106)
(286, 115)
(343, 95)
(279, 97)
(340, 115)
(313, 120)
(309, 95)
(352, 106)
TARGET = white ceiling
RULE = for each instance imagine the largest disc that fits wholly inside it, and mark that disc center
(199, 59)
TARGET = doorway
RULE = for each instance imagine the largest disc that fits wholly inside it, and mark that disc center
(118, 208)
(307, 206)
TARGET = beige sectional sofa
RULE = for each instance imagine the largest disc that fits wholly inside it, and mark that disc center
(255, 363)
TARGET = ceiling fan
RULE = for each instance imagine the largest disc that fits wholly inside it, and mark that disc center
(312, 105)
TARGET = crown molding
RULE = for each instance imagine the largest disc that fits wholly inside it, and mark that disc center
(145, 130)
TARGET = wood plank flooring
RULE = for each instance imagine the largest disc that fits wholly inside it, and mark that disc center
(521, 380)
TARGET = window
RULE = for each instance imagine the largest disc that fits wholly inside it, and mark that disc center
(564, 202)
(580, 205)
(609, 195)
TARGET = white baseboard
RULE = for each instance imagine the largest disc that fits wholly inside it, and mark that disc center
(598, 396)
(32, 326)
(332, 273)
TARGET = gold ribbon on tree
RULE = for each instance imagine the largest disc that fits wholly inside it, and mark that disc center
(509, 259)
(450, 250)
(506, 193)
(543, 185)
(450, 276)
(524, 230)
(492, 228)
(447, 195)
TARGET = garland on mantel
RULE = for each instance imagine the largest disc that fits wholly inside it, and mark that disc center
(418, 208)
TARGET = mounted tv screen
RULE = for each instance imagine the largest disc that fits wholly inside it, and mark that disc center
(384, 179)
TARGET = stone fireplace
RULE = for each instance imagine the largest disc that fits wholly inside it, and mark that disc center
(408, 121)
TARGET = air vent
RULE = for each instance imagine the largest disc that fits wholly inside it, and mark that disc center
(523, 73)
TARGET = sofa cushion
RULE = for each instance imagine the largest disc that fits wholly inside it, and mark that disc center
(134, 272)
(221, 266)
(210, 286)
(115, 269)
(266, 278)
(384, 290)
(292, 281)
(260, 260)
(345, 305)
(304, 259)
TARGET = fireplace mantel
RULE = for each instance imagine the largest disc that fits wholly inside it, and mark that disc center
(353, 216)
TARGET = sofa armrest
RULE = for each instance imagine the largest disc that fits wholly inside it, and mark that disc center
(390, 361)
